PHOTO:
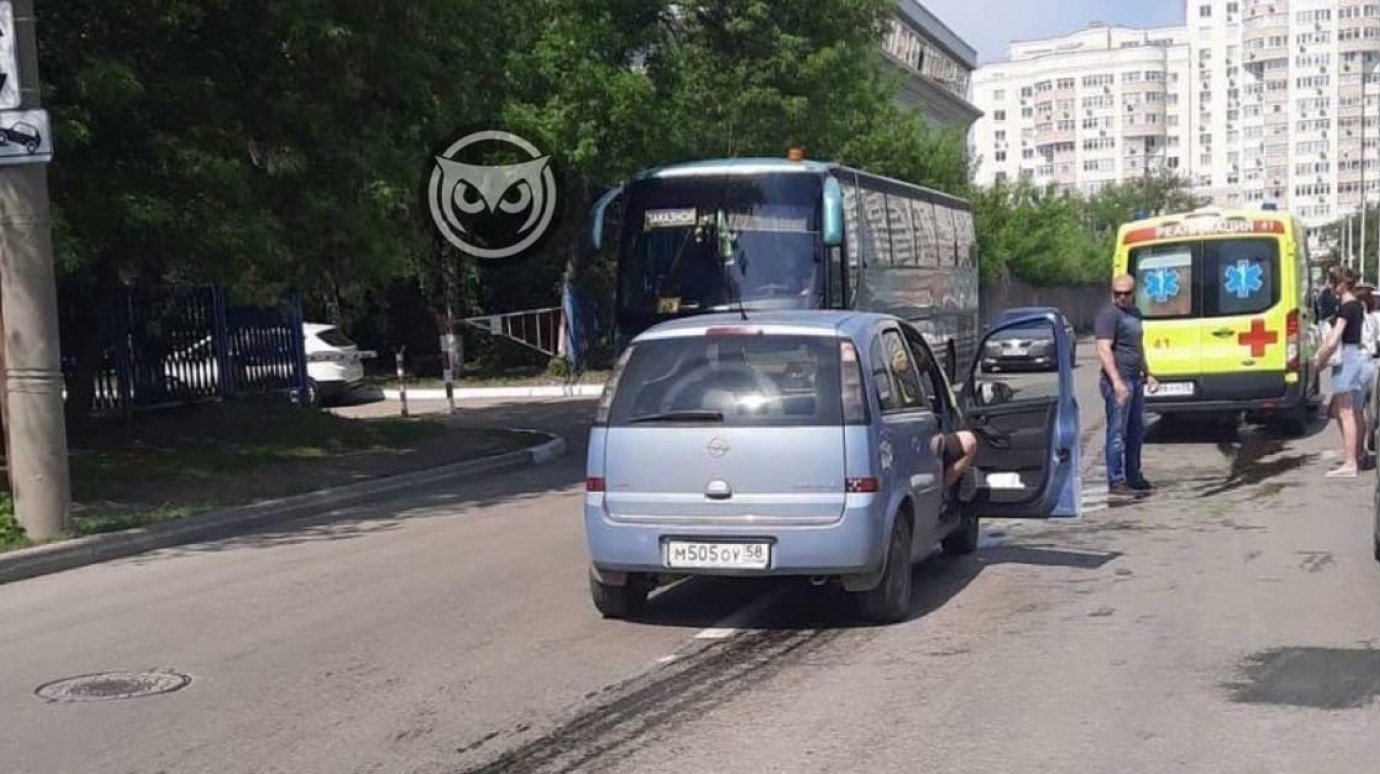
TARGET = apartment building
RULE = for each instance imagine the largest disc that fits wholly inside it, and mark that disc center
(1086, 109)
(1263, 101)
(935, 64)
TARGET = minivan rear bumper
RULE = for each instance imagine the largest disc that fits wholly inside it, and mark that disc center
(850, 545)
(1263, 391)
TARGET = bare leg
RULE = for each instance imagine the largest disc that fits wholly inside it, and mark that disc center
(1346, 418)
(968, 445)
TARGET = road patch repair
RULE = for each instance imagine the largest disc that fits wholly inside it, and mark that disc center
(1317, 678)
(184, 490)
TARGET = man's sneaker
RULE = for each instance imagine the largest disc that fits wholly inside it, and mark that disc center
(1123, 489)
(1142, 486)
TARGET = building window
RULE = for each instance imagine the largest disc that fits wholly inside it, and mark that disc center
(999, 115)
(1204, 11)
(999, 95)
(1000, 155)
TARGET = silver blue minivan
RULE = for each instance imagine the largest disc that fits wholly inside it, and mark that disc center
(807, 443)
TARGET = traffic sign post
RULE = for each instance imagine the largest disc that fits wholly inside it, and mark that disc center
(37, 432)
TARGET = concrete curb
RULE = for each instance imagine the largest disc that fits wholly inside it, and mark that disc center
(78, 552)
(479, 393)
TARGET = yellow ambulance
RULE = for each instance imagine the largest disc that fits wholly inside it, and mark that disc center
(1226, 300)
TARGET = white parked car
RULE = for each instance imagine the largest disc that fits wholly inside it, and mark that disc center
(335, 364)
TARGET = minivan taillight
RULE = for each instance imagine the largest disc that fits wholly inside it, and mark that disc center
(594, 484)
(1291, 341)
(851, 385)
(860, 485)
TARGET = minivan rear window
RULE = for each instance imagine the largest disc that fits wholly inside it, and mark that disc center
(751, 380)
(1207, 278)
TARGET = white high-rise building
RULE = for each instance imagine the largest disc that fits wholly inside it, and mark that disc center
(1084, 110)
(1253, 101)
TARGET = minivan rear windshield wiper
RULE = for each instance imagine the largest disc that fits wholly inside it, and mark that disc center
(680, 416)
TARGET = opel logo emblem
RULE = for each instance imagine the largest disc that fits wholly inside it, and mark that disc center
(718, 447)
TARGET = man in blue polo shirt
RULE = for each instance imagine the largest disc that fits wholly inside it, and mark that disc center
(1124, 380)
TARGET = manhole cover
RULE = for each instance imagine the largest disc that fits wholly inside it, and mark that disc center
(107, 686)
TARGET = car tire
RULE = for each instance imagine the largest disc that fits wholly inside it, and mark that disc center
(889, 602)
(624, 601)
(964, 539)
(313, 394)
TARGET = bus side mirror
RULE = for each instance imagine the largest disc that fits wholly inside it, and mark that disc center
(597, 215)
(833, 213)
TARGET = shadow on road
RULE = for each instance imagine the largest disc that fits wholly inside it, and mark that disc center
(700, 602)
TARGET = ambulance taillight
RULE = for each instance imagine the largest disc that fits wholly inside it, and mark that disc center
(1291, 335)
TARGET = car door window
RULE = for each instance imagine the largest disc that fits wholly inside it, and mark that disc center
(932, 381)
(882, 380)
(906, 376)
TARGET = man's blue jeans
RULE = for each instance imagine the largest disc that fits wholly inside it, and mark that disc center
(1125, 432)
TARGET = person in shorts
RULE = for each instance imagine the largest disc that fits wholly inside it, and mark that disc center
(1350, 370)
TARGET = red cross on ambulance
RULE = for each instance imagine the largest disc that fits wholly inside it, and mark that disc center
(1258, 338)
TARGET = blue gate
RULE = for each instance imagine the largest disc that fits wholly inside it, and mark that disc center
(186, 345)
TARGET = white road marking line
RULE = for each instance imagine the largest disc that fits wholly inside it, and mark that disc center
(731, 623)
(666, 659)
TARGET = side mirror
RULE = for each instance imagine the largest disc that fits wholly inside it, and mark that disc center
(596, 218)
(833, 213)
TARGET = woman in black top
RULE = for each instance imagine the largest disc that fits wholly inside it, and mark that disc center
(1350, 375)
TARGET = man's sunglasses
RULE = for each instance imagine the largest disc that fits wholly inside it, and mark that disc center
(1123, 293)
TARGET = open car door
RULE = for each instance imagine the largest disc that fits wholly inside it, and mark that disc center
(1026, 421)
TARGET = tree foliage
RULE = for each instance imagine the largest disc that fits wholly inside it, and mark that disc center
(1046, 236)
(284, 143)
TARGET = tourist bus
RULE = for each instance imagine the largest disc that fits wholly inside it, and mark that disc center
(757, 234)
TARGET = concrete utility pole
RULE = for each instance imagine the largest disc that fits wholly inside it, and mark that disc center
(28, 294)
(1365, 201)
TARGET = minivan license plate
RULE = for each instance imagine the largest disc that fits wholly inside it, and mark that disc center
(682, 554)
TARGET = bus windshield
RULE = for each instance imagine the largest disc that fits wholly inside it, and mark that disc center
(706, 242)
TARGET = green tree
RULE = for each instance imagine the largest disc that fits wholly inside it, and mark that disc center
(260, 145)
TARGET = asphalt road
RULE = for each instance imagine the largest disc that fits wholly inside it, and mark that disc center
(1231, 623)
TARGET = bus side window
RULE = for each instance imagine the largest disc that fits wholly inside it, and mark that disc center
(834, 258)
(852, 239)
(878, 250)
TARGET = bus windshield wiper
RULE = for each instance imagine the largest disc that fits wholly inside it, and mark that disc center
(680, 416)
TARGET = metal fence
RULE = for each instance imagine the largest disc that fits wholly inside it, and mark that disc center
(1079, 303)
(184, 345)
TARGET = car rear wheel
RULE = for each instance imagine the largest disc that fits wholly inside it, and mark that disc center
(964, 539)
(889, 602)
(623, 601)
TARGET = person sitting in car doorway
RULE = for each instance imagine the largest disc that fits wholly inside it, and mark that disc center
(956, 449)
